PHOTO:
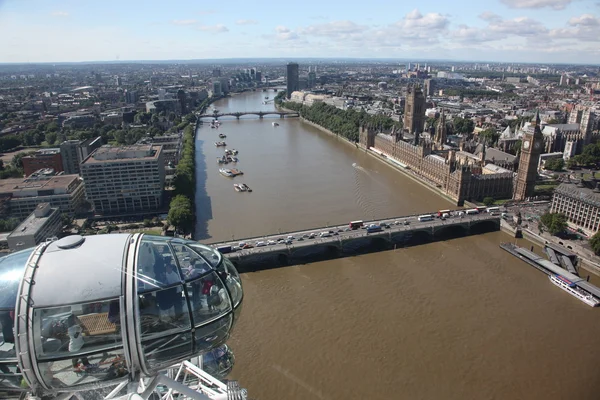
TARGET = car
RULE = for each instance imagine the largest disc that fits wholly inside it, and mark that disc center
(247, 246)
(288, 242)
(290, 237)
(406, 222)
(312, 235)
(305, 236)
(325, 234)
(260, 244)
(280, 239)
(347, 230)
(241, 245)
(340, 230)
(336, 233)
(271, 242)
(396, 222)
(301, 239)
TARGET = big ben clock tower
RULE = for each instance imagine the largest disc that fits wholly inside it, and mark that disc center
(531, 148)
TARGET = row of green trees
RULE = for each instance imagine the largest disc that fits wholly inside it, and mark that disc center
(181, 209)
(345, 123)
(589, 157)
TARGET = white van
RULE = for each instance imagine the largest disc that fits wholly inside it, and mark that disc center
(325, 234)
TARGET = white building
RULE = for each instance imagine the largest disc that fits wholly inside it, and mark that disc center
(43, 223)
(124, 180)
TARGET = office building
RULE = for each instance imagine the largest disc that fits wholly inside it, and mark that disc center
(124, 180)
(580, 202)
(216, 88)
(429, 87)
(43, 223)
(42, 159)
(118, 80)
(258, 76)
(131, 96)
(292, 79)
(64, 192)
(73, 152)
(531, 148)
(414, 110)
(216, 72)
(312, 79)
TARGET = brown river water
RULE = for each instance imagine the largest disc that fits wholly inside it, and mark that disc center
(460, 319)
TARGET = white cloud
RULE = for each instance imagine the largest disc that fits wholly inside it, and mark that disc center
(246, 22)
(284, 33)
(184, 22)
(59, 14)
(489, 16)
(585, 20)
(219, 28)
(415, 20)
(555, 4)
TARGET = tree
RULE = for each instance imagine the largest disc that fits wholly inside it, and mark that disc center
(488, 201)
(463, 125)
(51, 138)
(595, 243)
(66, 220)
(9, 142)
(181, 215)
(555, 164)
(490, 135)
(555, 223)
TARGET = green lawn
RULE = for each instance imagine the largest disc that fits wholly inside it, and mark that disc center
(501, 202)
(589, 176)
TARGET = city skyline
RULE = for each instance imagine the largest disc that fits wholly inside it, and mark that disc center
(545, 31)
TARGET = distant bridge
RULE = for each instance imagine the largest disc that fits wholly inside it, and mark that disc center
(260, 114)
(403, 231)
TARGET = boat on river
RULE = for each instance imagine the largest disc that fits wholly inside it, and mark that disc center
(240, 187)
(275, 124)
(222, 135)
(220, 144)
(573, 290)
(226, 172)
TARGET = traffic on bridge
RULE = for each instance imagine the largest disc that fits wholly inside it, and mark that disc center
(355, 230)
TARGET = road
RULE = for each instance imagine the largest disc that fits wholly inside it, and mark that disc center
(342, 232)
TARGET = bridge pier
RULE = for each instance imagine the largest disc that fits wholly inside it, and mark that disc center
(281, 116)
(237, 116)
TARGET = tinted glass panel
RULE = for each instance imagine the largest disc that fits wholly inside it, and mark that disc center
(89, 368)
(191, 264)
(10, 377)
(211, 255)
(76, 329)
(11, 272)
(218, 362)
(232, 280)
(167, 350)
(213, 334)
(154, 264)
(208, 298)
(164, 311)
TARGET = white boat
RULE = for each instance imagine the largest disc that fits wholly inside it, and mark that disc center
(234, 152)
(573, 290)
(220, 144)
(239, 187)
(275, 124)
(226, 172)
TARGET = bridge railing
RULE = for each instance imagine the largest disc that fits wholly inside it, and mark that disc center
(427, 224)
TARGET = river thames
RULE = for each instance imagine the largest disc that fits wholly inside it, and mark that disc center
(459, 319)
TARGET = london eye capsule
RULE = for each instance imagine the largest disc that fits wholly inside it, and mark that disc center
(86, 312)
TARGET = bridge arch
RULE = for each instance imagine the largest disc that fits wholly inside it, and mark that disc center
(484, 226)
(450, 232)
(419, 237)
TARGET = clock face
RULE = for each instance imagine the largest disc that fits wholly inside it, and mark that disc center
(526, 144)
(537, 145)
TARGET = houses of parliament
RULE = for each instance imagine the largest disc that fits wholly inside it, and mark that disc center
(459, 174)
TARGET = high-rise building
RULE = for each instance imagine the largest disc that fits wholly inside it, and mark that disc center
(43, 223)
(124, 180)
(414, 110)
(429, 87)
(531, 148)
(182, 99)
(216, 88)
(216, 72)
(258, 76)
(292, 78)
(118, 80)
(73, 152)
(312, 79)
(131, 97)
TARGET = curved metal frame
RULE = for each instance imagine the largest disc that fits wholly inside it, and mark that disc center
(132, 347)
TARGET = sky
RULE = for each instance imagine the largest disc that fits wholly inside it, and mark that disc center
(544, 31)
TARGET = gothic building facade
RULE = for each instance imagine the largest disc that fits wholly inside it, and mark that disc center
(457, 174)
(533, 143)
(414, 110)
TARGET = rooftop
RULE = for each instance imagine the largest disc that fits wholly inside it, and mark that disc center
(32, 223)
(18, 185)
(108, 153)
(585, 194)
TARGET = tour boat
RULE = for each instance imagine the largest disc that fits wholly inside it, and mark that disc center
(573, 290)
